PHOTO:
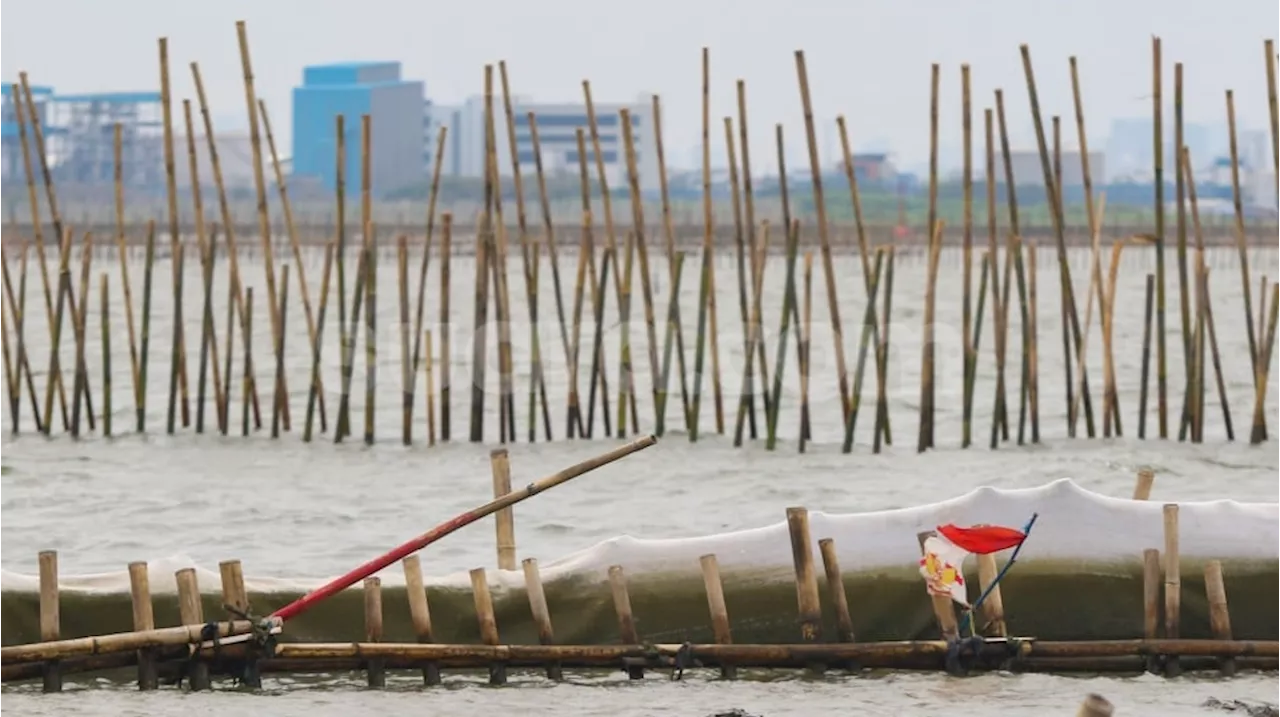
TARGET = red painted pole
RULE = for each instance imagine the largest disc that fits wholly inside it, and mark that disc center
(297, 607)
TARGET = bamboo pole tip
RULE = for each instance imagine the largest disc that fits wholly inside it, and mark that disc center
(372, 581)
(826, 543)
(225, 564)
(46, 555)
(708, 559)
(615, 572)
(137, 566)
(411, 560)
(796, 512)
(477, 574)
(183, 573)
(529, 562)
(497, 453)
(1170, 510)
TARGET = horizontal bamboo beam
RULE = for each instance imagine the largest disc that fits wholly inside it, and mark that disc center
(115, 642)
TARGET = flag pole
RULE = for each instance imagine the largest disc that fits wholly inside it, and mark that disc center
(336, 585)
(1026, 531)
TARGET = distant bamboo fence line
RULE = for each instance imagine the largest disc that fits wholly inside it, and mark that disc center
(621, 250)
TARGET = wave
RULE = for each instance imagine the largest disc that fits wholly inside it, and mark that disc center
(1078, 576)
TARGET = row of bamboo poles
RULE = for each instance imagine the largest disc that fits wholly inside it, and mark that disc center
(67, 301)
(165, 651)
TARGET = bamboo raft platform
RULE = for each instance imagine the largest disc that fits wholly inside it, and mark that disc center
(245, 648)
(198, 373)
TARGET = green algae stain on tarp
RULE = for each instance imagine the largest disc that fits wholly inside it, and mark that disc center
(1042, 599)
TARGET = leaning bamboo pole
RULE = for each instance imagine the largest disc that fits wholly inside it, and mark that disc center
(179, 360)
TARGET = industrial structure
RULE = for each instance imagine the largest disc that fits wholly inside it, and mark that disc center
(79, 135)
(396, 109)
(557, 125)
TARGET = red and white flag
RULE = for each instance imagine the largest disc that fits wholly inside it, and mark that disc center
(943, 561)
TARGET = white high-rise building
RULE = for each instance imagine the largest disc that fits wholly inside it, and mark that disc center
(557, 125)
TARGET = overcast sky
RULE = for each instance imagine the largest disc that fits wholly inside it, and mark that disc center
(867, 60)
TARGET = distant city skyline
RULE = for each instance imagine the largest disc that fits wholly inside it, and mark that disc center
(867, 61)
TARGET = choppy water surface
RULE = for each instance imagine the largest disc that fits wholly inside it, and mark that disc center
(290, 509)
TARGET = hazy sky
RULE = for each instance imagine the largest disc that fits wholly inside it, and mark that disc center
(867, 60)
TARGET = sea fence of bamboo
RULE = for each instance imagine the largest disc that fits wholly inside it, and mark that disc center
(728, 326)
(201, 647)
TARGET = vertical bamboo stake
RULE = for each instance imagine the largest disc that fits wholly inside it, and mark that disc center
(993, 606)
(673, 317)
(1146, 359)
(867, 319)
(317, 342)
(574, 413)
(295, 246)
(377, 675)
(753, 338)
(176, 356)
(234, 289)
(371, 334)
(1033, 350)
(504, 519)
(430, 391)
(52, 198)
(1194, 399)
(835, 589)
(488, 625)
(104, 319)
(999, 311)
(191, 612)
(436, 166)
(264, 226)
(446, 324)
(1150, 590)
(208, 337)
(870, 330)
(420, 613)
(806, 579)
(1180, 194)
(1157, 108)
(1172, 584)
(1219, 615)
(806, 334)
(1142, 487)
(32, 195)
(279, 347)
(833, 302)
(1217, 358)
(882, 391)
(143, 619)
(637, 220)
(1269, 49)
(739, 241)
(1259, 431)
(626, 620)
(708, 241)
(1110, 404)
(18, 314)
(925, 439)
(934, 228)
(50, 617)
(1014, 258)
(406, 371)
(716, 605)
(669, 234)
(122, 253)
(788, 303)
(78, 324)
(1241, 242)
(64, 288)
(626, 387)
(340, 209)
(247, 321)
(1064, 270)
(970, 348)
(541, 615)
(171, 193)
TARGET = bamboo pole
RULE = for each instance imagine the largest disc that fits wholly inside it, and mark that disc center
(716, 606)
(143, 621)
(1146, 359)
(1110, 395)
(191, 612)
(668, 233)
(739, 242)
(371, 334)
(420, 613)
(436, 167)
(18, 314)
(446, 326)
(806, 579)
(754, 327)
(993, 606)
(970, 349)
(247, 385)
(835, 589)
(54, 649)
(122, 255)
(1219, 614)
(999, 310)
(1195, 385)
(279, 347)
(788, 302)
(504, 519)
(626, 387)
(1259, 432)
(1013, 261)
(488, 624)
(1172, 583)
(1157, 108)
(1180, 178)
(833, 307)
(375, 668)
(105, 320)
(340, 209)
(1269, 49)
(882, 390)
(402, 276)
(934, 228)
(33, 197)
(626, 620)
(706, 300)
(574, 417)
(296, 247)
(673, 317)
(78, 327)
(234, 288)
(177, 356)
(868, 319)
(1033, 333)
(179, 360)
(541, 615)
(314, 386)
(642, 245)
(264, 226)
(1095, 285)
(1151, 594)
(50, 620)
(1064, 270)
(205, 246)
(64, 288)
(805, 332)
(1241, 245)
(430, 391)
(1217, 358)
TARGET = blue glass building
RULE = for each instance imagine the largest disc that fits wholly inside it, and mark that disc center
(353, 89)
